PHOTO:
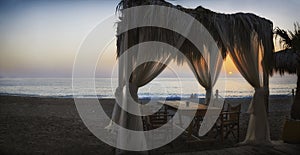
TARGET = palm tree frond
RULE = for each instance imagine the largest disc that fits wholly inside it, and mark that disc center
(287, 60)
(295, 37)
(285, 39)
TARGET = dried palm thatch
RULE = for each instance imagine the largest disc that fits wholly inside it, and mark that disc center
(287, 60)
(230, 31)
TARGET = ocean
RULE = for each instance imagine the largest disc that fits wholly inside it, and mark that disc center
(233, 87)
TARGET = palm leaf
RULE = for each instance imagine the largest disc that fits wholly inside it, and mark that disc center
(287, 60)
(295, 37)
(285, 39)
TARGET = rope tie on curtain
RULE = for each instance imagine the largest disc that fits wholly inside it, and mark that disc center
(208, 95)
(133, 89)
(119, 90)
(119, 94)
(208, 89)
(260, 89)
(258, 95)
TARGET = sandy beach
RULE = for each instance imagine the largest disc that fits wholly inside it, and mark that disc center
(30, 125)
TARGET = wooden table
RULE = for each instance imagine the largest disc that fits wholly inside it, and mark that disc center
(186, 107)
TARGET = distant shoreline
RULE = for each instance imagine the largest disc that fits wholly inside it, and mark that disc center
(141, 98)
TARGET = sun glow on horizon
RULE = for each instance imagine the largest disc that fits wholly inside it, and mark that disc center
(230, 68)
(41, 39)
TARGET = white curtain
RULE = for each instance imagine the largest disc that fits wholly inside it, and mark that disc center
(139, 74)
(249, 63)
(206, 70)
(248, 38)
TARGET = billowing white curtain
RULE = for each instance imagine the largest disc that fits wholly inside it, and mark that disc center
(249, 63)
(206, 70)
(248, 40)
(141, 76)
(132, 75)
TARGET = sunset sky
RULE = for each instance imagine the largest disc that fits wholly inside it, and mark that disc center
(41, 38)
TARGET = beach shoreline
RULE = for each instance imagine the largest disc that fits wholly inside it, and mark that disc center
(34, 125)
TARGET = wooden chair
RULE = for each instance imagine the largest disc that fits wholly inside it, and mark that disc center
(157, 120)
(228, 123)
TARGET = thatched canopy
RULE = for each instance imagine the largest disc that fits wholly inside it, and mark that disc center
(286, 61)
(246, 37)
(229, 31)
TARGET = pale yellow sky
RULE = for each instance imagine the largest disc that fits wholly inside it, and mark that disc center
(41, 38)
